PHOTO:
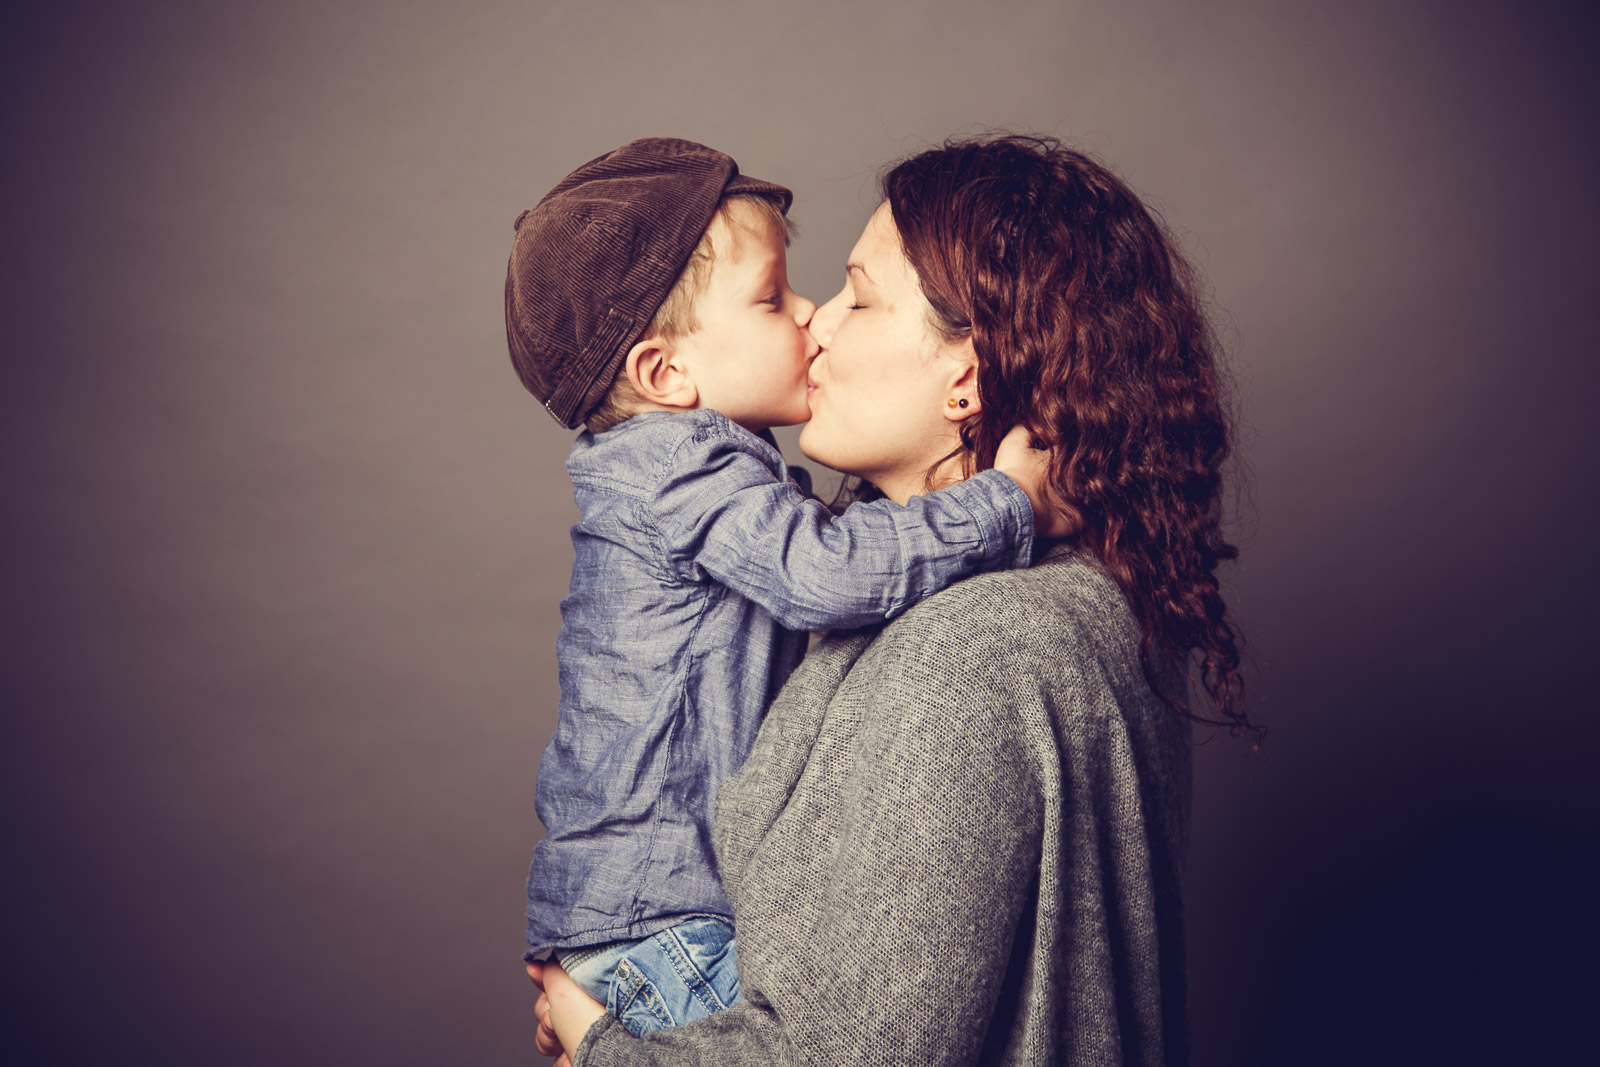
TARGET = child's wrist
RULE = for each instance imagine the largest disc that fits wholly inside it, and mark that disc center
(1035, 500)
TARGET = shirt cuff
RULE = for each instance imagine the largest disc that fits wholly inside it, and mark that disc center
(1003, 514)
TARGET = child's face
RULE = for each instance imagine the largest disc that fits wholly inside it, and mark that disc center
(749, 356)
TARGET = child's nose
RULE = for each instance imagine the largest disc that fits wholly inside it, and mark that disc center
(804, 311)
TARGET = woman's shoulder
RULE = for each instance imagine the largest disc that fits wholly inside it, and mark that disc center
(1050, 650)
(1056, 634)
(1062, 602)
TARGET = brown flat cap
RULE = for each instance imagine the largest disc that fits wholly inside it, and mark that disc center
(594, 260)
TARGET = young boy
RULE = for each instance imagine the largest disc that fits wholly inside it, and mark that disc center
(647, 297)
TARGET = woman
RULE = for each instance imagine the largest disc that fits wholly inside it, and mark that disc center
(959, 837)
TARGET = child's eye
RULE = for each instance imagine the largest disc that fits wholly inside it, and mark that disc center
(776, 300)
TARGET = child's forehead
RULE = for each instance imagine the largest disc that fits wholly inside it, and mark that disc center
(745, 236)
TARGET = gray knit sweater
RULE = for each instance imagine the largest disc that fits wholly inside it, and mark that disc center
(958, 840)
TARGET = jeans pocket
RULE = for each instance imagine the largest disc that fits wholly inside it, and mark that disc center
(636, 1002)
(703, 953)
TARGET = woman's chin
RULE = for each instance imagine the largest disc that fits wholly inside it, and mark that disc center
(814, 443)
(820, 446)
(808, 441)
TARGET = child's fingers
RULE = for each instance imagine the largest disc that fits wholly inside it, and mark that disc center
(1019, 437)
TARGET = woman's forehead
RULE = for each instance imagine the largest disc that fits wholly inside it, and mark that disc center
(877, 253)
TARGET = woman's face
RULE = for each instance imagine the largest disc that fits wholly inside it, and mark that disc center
(880, 387)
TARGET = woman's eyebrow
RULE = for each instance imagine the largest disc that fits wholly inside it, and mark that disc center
(848, 267)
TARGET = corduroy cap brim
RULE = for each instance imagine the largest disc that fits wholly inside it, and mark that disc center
(592, 262)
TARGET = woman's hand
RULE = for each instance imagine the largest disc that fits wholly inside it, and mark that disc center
(1029, 467)
(565, 1011)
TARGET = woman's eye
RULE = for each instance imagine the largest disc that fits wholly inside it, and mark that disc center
(854, 307)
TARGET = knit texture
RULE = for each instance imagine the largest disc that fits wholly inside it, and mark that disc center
(957, 840)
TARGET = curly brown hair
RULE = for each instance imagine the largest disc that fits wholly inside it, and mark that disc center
(1088, 330)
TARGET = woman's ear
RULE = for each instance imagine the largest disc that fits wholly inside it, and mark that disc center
(961, 400)
(659, 375)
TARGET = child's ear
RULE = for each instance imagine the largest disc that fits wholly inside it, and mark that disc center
(659, 375)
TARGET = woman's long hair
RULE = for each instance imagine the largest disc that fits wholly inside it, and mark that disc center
(1087, 329)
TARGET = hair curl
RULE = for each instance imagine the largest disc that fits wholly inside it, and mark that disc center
(1087, 329)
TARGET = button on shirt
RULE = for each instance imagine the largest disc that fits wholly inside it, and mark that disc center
(700, 564)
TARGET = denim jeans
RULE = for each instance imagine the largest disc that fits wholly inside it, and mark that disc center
(674, 976)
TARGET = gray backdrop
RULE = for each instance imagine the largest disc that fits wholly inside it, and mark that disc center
(285, 538)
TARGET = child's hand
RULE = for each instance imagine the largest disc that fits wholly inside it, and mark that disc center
(565, 1011)
(1029, 467)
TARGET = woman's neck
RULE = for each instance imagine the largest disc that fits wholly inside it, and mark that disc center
(901, 485)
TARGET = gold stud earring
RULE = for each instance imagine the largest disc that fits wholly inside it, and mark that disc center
(951, 402)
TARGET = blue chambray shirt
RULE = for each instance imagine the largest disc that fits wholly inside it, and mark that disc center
(699, 566)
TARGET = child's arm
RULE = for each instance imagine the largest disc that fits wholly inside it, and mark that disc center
(723, 511)
(801, 476)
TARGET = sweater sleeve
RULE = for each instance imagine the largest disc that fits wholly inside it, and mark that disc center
(722, 511)
(911, 919)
